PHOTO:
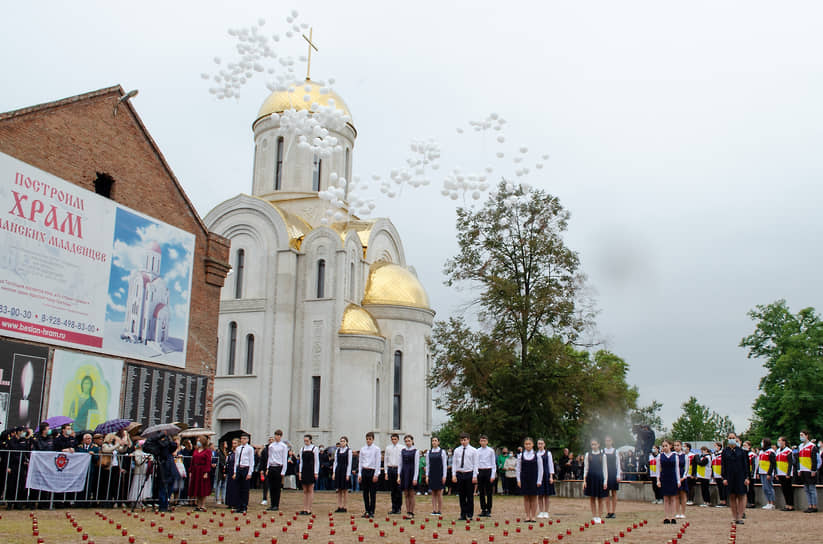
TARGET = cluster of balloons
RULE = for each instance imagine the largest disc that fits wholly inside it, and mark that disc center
(311, 127)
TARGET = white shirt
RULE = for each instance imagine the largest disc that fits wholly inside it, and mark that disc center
(465, 460)
(243, 457)
(432, 457)
(487, 459)
(393, 455)
(369, 459)
(528, 456)
(549, 461)
(311, 448)
(347, 452)
(416, 464)
(278, 456)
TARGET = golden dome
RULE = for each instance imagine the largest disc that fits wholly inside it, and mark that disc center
(392, 284)
(280, 101)
(356, 320)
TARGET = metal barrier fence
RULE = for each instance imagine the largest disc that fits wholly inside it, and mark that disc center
(112, 479)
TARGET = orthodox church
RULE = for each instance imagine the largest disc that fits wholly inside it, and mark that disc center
(323, 327)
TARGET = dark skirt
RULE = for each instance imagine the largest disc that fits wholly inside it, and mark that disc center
(340, 481)
(232, 492)
(668, 476)
(594, 485)
(613, 484)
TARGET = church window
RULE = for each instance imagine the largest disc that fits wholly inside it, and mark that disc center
(351, 281)
(103, 184)
(238, 280)
(316, 172)
(249, 354)
(398, 386)
(347, 172)
(232, 347)
(321, 278)
(377, 402)
(315, 401)
(278, 168)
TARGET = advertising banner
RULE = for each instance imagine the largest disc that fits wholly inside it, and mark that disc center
(22, 376)
(80, 270)
(85, 388)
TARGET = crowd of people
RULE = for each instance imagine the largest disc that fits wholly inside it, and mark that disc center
(122, 470)
(170, 469)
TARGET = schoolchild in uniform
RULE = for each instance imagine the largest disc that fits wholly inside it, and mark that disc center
(436, 462)
(341, 470)
(308, 469)
(766, 470)
(784, 464)
(668, 465)
(615, 476)
(407, 473)
(691, 473)
(243, 465)
(464, 474)
(486, 474)
(654, 474)
(703, 470)
(717, 474)
(596, 480)
(547, 489)
(683, 491)
(529, 478)
(368, 471)
(752, 458)
(807, 466)
(735, 476)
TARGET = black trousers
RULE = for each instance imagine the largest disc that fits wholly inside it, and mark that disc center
(485, 488)
(465, 489)
(787, 489)
(275, 484)
(704, 490)
(242, 488)
(369, 487)
(394, 487)
(750, 490)
(721, 489)
(656, 488)
(692, 485)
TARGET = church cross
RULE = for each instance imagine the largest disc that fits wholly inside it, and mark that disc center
(311, 46)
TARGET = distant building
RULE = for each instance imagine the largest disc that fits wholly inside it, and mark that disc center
(147, 305)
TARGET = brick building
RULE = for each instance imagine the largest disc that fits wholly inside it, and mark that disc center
(97, 141)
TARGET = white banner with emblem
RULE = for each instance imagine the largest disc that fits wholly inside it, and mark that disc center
(57, 471)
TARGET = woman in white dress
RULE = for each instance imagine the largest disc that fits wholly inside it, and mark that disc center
(141, 481)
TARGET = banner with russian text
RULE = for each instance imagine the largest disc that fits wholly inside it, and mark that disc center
(80, 270)
(57, 472)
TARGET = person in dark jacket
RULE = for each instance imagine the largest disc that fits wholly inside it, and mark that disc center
(735, 463)
(163, 448)
(43, 441)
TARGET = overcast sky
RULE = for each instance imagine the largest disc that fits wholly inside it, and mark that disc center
(685, 140)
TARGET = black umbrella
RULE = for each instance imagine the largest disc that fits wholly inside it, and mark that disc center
(231, 435)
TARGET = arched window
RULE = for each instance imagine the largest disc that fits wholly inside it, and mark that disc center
(398, 388)
(316, 172)
(232, 347)
(249, 354)
(278, 166)
(321, 278)
(347, 172)
(351, 281)
(238, 280)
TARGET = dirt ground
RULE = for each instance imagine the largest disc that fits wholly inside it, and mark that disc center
(705, 525)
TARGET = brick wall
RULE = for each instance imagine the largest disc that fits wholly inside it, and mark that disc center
(78, 137)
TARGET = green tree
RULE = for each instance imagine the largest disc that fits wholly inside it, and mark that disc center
(519, 374)
(698, 422)
(791, 348)
(513, 250)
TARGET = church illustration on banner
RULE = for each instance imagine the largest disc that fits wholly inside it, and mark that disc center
(147, 304)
